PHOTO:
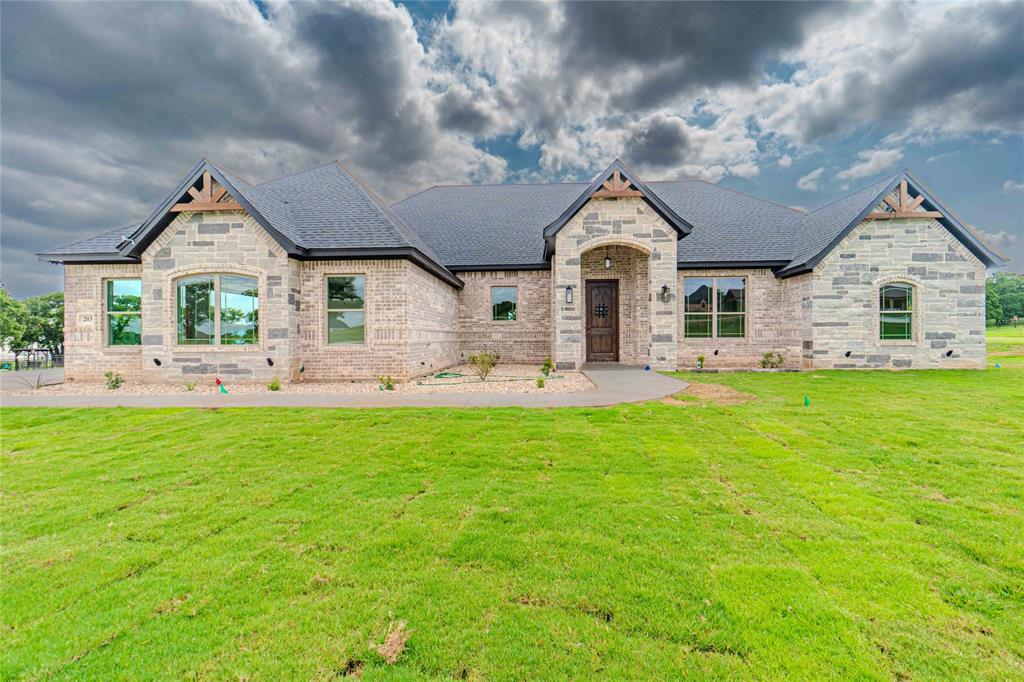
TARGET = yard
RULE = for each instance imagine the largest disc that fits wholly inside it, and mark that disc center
(877, 532)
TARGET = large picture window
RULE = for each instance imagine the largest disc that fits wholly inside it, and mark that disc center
(346, 309)
(503, 304)
(124, 312)
(715, 307)
(896, 312)
(218, 309)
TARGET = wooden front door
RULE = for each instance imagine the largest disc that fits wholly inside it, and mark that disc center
(602, 320)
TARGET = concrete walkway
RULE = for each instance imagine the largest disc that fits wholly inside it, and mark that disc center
(613, 384)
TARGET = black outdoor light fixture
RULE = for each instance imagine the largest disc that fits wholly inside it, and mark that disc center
(949, 353)
(156, 361)
(665, 295)
(848, 353)
(270, 362)
(568, 294)
(607, 262)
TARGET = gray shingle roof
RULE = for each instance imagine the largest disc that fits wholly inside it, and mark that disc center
(473, 225)
(820, 227)
(104, 243)
(326, 210)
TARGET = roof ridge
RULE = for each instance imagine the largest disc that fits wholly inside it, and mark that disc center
(294, 173)
(863, 188)
(730, 189)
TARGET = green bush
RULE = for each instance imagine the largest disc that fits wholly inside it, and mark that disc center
(386, 383)
(772, 360)
(700, 362)
(547, 366)
(114, 380)
(484, 362)
(190, 385)
(540, 382)
(274, 385)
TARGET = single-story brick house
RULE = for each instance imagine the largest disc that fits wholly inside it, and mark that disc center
(314, 274)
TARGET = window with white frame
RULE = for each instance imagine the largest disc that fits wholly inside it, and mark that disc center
(124, 312)
(715, 307)
(896, 312)
(346, 309)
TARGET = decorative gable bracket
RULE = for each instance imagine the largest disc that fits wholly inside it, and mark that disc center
(207, 198)
(616, 187)
(902, 207)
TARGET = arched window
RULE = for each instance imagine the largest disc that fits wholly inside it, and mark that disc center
(896, 312)
(218, 309)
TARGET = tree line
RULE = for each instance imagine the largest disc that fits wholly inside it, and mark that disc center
(37, 321)
(1004, 298)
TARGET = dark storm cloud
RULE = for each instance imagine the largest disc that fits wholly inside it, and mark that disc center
(660, 143)
(679, 45)
(973, 62)
(106, 105)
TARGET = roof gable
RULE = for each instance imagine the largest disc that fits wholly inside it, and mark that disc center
(822, 230)
(616, 181)
(199, 183)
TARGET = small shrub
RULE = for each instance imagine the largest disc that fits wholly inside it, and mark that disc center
(540, 382)
(114, 380)
(484, 362)
(190, 385)
(386, 383)
(547, 366)
(700, 362)
(772, 360)
(274, 385)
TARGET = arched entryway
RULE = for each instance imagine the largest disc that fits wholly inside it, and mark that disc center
(616, 304)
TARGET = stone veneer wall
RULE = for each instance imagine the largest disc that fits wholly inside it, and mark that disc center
(949, 298)
(771, 305)
(218, 243)
(528, 338)
(629, 268)
(86, 354)
(629, 222)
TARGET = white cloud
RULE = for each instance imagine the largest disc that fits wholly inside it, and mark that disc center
(1013, 186)
(809, 182)
(872, 162)
(785, 161)
(1001, 239)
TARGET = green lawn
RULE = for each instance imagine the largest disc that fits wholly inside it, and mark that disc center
(877, 533)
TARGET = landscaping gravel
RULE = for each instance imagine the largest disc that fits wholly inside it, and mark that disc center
(503, 379)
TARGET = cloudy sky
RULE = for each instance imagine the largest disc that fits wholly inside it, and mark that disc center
(106, 106)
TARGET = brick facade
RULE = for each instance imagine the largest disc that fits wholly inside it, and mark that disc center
(771, 305)
(417, 324)
(525, 340)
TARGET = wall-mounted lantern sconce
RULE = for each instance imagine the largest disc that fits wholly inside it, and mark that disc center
(665, 294)
(568, 294)
(949, 353)
(847, 354)
(270, 362)
(607, 262)
(156, 361)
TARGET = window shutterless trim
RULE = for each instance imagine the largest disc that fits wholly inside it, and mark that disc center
(714, 312)
(217, 341)
(328, 310)
(515, 302)
(107, 312)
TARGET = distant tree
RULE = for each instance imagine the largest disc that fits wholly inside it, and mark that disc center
(1004, 293)
(13, 320)
(46, 321)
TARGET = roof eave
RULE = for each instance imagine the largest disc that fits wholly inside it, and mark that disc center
(97, 258)
(409, 253)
